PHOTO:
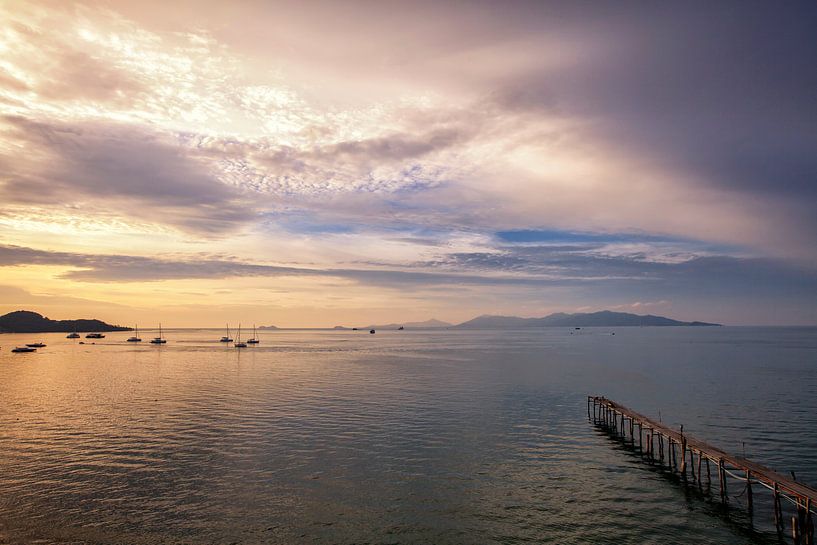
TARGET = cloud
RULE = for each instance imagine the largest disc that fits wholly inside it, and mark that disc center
(141, 173)
(13, 297)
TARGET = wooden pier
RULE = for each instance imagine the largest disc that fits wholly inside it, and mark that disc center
(683, 454)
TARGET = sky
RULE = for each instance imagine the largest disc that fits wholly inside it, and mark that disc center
(346, 163)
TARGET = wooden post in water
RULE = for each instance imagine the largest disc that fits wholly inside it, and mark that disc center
(700, 457)
(661, 448)
(640, 444)
(809, 530)
(683, 453)
(722, 478)
(749, 490)
(798, 524)
(795, 527)
(692, 463)
(778, 515)
(708, 473)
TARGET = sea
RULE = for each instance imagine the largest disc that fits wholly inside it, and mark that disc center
(401, 437)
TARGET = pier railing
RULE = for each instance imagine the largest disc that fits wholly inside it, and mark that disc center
(645, 434)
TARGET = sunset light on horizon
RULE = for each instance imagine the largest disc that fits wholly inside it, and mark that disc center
(311, 164)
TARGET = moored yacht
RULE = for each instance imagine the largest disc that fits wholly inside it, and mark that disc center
(73, 335)
(255, 339)
(160, 339)
(135, 338)
(226, 338)
(238, 343)
(23, 349)
(36, 345)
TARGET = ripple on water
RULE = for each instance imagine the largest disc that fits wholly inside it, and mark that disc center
(410, 437)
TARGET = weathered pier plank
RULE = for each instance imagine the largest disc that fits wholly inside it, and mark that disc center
(613, 416)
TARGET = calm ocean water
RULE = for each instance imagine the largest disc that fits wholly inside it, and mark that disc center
(399, 437)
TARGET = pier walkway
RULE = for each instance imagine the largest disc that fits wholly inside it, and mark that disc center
(646, 434)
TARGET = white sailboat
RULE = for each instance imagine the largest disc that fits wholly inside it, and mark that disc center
(238, 343)
(159, 339)
(255, 339)
(226, 338)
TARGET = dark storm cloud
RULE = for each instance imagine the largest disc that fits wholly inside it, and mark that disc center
(724, 91)
(125, 268)
(129, 169)
(365, 153)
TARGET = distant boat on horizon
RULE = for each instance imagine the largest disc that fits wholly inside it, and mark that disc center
(135, 338)
(73, 335)
(226, 338)
(238, 343)
(160, 339)
(36, 345)
(94, 336)
(254, 339)
(23, 349)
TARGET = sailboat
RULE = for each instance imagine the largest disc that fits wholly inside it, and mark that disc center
(238, 343)
(255, 339)
(159, 339)
(36, 345)
(226, 338)
(135, 338)
(73, 335)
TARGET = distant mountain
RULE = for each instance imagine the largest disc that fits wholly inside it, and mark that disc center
(268, 327)
(24, 321)
(604, 318)
(428, 324)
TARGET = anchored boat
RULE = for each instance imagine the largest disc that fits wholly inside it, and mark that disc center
(135, 338)
(238, 343)
(160, 339)
(255, 339)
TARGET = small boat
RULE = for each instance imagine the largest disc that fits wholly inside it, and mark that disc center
(159, 339)
(135, 338)
(226, 338)
(238, 343)
(371, 331)
(73, 335)
(36, 345)
(255, 339)
(23, 349)
(94, 336)
(401, 328)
